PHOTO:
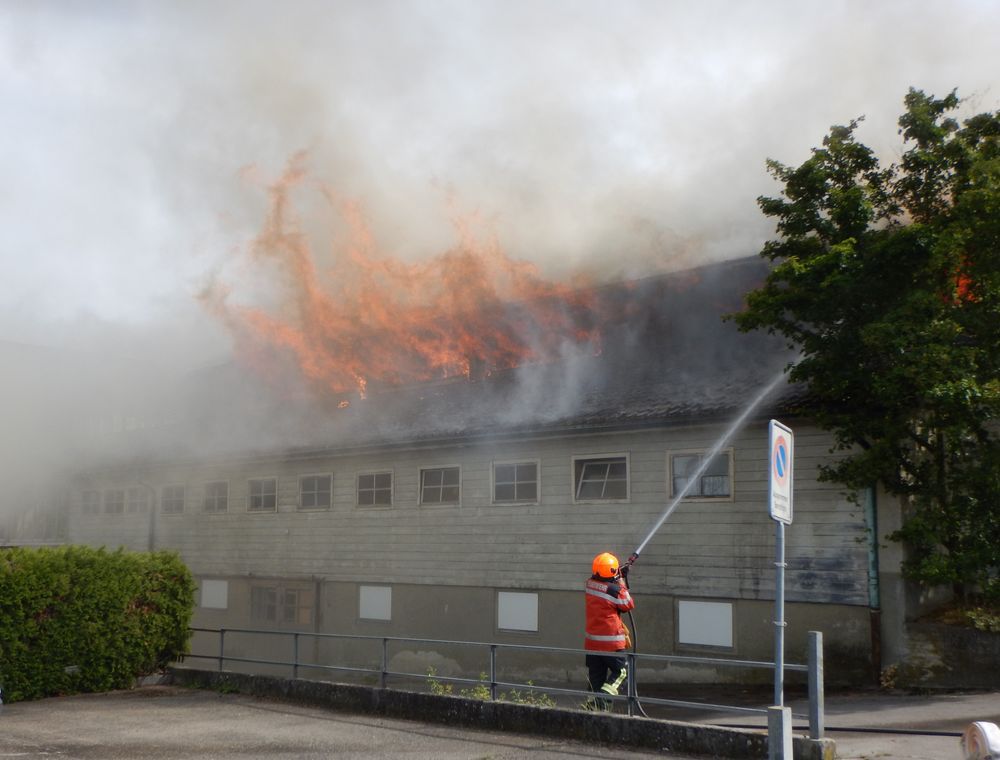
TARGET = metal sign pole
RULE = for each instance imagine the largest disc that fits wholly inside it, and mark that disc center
(779, 497)
(779, 614)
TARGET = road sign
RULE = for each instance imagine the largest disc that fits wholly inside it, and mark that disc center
(779, 492)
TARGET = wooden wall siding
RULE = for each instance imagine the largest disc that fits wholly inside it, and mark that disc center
(717, 549)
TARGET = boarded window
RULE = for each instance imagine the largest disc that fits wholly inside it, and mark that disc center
(601, 479)
(705, 478)
(263, 495)
(440, 485)
(172, 500)
(315, 491)
(375, 603)
(215, 594)
(216, 496)
(375, 489)
(517, 611)
(705, 623)
(515, 482)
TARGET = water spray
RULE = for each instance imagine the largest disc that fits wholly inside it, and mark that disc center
(730, 432)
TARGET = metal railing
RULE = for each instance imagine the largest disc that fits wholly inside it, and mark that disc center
(813, 669)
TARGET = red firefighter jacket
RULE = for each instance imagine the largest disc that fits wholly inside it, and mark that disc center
(606, 600)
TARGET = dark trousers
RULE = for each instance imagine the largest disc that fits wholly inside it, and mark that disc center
(606, 669)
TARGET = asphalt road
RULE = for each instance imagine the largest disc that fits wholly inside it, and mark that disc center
(165, 722)
(172, 722)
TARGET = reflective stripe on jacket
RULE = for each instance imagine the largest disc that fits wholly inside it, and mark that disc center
(606, 600)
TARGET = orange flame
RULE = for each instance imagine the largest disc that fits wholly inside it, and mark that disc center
(376, 318)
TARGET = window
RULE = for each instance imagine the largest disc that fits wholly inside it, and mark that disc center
(515, 482)
(215, 594)
(706, 479)
(138, 500)
(375, 489)
(315, 491)
(263, 495)
(114, 501)
(216, 496)
(517, 611)
(172, 500)
(440, 485)
(601, 478)
(375, 603)
(278, 604)
(91, 502)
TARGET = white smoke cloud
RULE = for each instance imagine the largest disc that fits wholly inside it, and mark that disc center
(624, 137)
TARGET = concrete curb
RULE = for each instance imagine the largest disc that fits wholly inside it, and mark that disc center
(601, 728)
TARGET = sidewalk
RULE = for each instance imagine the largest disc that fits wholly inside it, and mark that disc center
(881, 720)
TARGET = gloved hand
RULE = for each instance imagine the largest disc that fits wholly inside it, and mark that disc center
(623, 571)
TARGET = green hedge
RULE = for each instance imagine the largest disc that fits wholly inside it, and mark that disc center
(75, 619)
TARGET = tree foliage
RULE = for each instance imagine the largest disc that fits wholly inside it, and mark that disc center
(78, 619)
(887, 279)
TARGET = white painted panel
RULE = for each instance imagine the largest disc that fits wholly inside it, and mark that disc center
(215, 594)
(517, 611)
(375, 603)
(705, 623)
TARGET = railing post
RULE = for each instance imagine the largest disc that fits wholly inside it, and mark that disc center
(222, 646)
(631, 688)
(385, 663)
(493, 672)
(817, 709)
(295, 655)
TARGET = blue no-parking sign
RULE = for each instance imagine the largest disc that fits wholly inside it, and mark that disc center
(779, 492)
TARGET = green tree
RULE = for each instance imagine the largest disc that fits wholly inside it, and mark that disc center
(887, 280)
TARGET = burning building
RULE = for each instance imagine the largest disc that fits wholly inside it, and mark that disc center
(468, 505)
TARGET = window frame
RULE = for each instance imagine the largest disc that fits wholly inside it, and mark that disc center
(204, 501)
(139, 506)
(106, 500)
(515, 501)
(280, 603)
(442, 468)
(606, 457)
(728, 452)
(250, 485)
(329, 504)
(163, 500)
(94, 505)
(392, 488)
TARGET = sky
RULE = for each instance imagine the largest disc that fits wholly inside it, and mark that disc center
(621, 138)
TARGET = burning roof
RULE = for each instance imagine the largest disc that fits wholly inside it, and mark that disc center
(665, 356)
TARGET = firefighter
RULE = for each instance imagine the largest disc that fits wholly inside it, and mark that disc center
(606, 636)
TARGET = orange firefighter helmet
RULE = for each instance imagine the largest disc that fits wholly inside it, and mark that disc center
(605, 565)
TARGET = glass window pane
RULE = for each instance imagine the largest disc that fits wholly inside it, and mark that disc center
(383, 480)
(449, 494)
(527, 472)
(366, 498)
(504, 492)
(504, 473)
(527, 491)
(432, 477)
(450, 476)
